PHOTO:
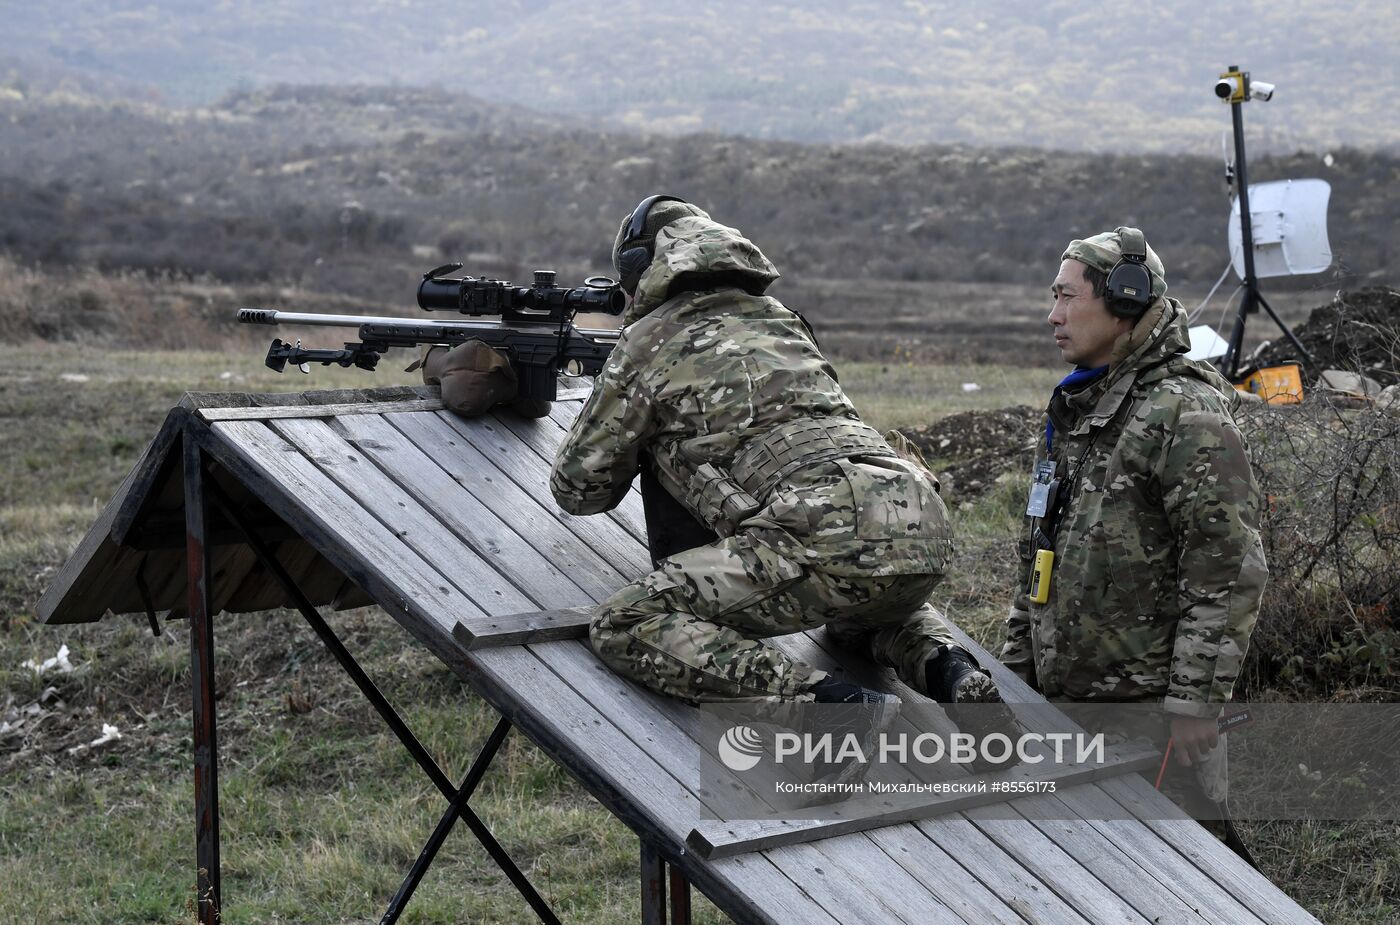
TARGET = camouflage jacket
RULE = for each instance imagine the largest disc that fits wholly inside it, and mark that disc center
(698, 372)
(1158, 564)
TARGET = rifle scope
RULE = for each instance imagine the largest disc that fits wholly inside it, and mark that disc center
(471, 296)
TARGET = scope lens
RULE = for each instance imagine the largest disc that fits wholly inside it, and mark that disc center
(442, 295)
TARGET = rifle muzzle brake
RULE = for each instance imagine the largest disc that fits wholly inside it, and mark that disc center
(257, 316)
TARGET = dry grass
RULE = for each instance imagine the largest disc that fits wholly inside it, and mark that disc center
(322, 809)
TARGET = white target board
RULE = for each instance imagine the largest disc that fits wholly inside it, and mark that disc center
(1289, 219)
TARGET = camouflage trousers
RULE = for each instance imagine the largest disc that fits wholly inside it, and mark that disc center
(695, 627)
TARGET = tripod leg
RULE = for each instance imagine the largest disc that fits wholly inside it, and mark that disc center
(1288, 333)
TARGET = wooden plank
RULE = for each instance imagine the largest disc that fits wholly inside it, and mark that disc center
(315, 411)
(1017, 895)
(485, 477)
(1059, 870)
(722, 839)
(194, 401)
(229, 566)
(933, 864)
(657, 725)
(377, 494)
(364, 550)
(778, 900)
(545, 435)
(1005, 876)
(661, 726)
(350, 595)
(159, 464)
(1022, 890)
(531, 475)
(1162, 817)
(165, 575)
(79, 592)
(312, 574)
(1207, 854)
(114, 588)
(1111, 866)
(858, 882)
(499, 542)
(628, 781)
(229, 573)
(1149, 852)
(629, 510)
(519, 628)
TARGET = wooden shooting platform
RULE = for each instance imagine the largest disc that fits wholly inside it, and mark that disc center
(331, 500)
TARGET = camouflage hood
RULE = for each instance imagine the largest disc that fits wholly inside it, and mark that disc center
(702, 247)
(1156, 347)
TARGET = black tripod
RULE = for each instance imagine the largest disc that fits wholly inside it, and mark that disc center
(1253, 298)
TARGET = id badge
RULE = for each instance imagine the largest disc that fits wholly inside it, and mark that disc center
(1039, 503)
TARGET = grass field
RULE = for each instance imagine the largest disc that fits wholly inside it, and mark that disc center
(322, 810)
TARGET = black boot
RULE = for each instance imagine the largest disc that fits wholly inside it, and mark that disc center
(955, 680)
(859, 711)
(830, 690)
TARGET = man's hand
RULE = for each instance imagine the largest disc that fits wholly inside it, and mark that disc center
(1193, 738)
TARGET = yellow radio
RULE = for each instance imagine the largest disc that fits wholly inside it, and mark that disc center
(1040, 576)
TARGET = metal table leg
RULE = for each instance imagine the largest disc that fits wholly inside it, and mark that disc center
(206, 743)
(653, 887)
(680, 896)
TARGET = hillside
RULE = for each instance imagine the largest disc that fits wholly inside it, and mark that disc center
(358, 190)
(1059, 74)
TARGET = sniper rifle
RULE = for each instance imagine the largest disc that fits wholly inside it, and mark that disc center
(535, 331)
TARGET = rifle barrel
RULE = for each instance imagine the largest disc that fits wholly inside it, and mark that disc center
(271, 317)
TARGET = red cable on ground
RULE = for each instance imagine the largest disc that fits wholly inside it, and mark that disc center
(1163, 769)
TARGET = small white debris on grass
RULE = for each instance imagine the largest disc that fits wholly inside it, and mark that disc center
(971, 387)
(110, 734)
(58, 663)
(73, 377)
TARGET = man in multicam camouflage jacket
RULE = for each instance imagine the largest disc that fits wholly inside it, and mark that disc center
(816, 520)
(1154, 524)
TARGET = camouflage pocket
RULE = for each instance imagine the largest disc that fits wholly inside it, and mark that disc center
(892, 501)
(1140, 563)
(1117, 656)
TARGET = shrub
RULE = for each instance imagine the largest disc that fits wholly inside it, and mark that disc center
(1330, 475)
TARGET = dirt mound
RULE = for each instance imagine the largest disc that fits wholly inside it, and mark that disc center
(1358, 331)
(971, 449)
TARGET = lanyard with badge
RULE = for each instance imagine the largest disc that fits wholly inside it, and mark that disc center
(1043, 508)
(1047, 502)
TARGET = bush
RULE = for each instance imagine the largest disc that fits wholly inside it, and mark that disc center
(1330, 475)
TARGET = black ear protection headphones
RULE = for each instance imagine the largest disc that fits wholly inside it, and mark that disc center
(1129, 289)
(632, 261)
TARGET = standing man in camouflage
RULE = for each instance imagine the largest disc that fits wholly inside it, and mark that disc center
(1145, 497)
(815, 520)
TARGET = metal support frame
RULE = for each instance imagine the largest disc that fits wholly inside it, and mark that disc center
(206, 740)
(201, 490)
(657, 876)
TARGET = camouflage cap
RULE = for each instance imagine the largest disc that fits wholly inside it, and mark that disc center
(1104, 250)
(660, 215)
